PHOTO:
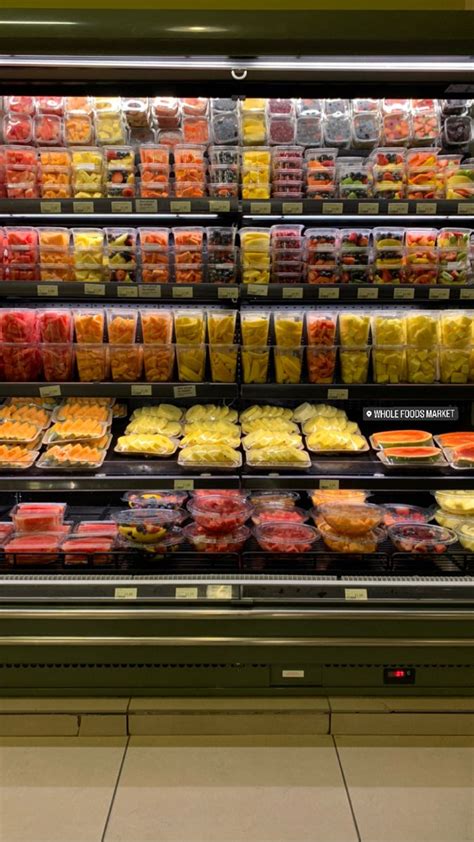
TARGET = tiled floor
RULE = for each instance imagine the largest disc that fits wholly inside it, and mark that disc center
(230, 789)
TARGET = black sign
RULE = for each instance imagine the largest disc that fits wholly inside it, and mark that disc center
(411, 413)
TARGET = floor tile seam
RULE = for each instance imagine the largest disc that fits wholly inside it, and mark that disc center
(117, 783)
(346, 787)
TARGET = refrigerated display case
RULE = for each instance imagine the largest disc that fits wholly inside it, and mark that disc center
(342, 303)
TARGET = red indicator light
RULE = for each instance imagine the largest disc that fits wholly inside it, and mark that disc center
(399, 673)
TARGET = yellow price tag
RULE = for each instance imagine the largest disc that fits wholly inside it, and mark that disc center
(50, 207)
(292, 292)
(439, 294)
(426, 208)
(146, 205)
(83, 207)
(368, 208)
(184, 391)
(338, 394)
(126, 593)
(94, 289)
(140, 390)
(47, 290)
(258, 289)
(121, 207)
(329, 483)
(398, 208)
(127, 291)
(186, 593)
(219, 206)
(183, 484)
(50, 391)
(367, 293)
(403, 293)
(332, 208)
(228, 292)
(357, 594)
(182, 292)
(260, 207)
(180, 207)
(292, 207)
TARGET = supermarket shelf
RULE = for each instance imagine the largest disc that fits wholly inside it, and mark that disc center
(354, 294)
(271, 207)
(360, 391)
(214, 391)
(119, 476)
(163, 292)
(356, 474)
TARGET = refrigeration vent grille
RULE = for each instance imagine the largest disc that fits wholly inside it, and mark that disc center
(395, 666)
(128, 666)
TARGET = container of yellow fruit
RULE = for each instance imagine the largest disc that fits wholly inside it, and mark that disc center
(422, 364)
(422, 329)
(354, 364)
(456, 502)
(389, 364)
(221, 326)
(454, 364)
(389, 329)
(354, 330)
(255, 326)
(191, 363)
(288, 364)
(456, 329)
(288, 328)
(190, 327)
(255, 360)
(223, 363)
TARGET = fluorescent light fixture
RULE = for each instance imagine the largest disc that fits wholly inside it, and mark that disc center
(285, 63)
(38, 22)
(197, 29)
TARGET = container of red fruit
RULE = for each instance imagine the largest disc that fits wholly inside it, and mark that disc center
(276, 513)
(231, 542)
(87, 549)
(218, 514)
(38, 517)
(285, 537)
(421, 538)
(396, 513)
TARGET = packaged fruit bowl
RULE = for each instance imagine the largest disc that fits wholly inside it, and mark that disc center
(277, 513)
(421, 538)
(38, 517)
(169, 544)
(341, 543)
(320, 496)
(231, 542)
(456, 502)
(219, 515)
(155, 499)
(465, 535)
(285, 537)
(352, 519)
(144, 526)
(395, 513)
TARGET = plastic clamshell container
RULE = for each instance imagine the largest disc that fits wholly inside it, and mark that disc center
(219, 515)
(227, 543)
(38, 517)
(352, 518)
(157, 445)
(459, 503)
(411, 464)
(195, 459)
(421, 538)
(350, 544)
(155, 499)
(145, 526)
(33, 549)
(266, 462)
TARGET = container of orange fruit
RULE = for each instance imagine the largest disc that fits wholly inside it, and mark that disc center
(89, 325)
(158, 362)
(126, 362)
(93, 362)
(157, 326)
(16, 457)
(122, 326)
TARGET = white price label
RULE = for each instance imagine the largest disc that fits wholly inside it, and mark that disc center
(357, 594)
(292, 673)
(219, 592)
(228, 292)
(183, 484)
(50, 391)
(182, 292)
(125, 593)
(338, 394)
(219, 206)
(466, 294)
(328, 293)
(398, 208)
(329, 483)
(83, 207)
(140, 390)
(94, 289)
(258, 289)
(426, 208)
(332, 208)
(146, 205)
(149, 291)
(47, 290)
(121, 207)
(367, 293)
(260, 207)
(403, 294)
(50, 207)
(292, 207)
(439, 294)
(184, 391)
(186, 593)
(292, 292)
(368, 208)
(180, 207)
(466, 208)
(126, 291)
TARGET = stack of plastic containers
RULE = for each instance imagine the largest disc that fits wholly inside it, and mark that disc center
(287, 172)
(155, 255)
(322, 261)
(78, 125)
(154, 171)
(287, 249)
(355, 256)
(21, 254)
(309, 122)
(121, 256)
(455, 356)
(421, 256)
(126, 355)
(223, 351)
(189, 171)
(92, 355)
(389, 355)
(224, 171)
(3, 186)
(18, 121)
(388, 173)
(460, 182)
(320, 168)
(158, 352)
(88, 254)
(55, 254)
(110, 128)
(337, 123)
(225, 121)
(354, 354)
(255, 257)
(222, 255)
(281, 122)
(354, 178)
(189, 255)
(167, 119)
(388, 255)
(288, 351)
(190, 332)
(253, 123)
(422, 347)
(119, 172)
(21, 360)
(423, 176)
(256, 172)
(321, 348)
(55, 173)
(453, 256)
(396, 122)
(88, 173)
(21, 173)
(48, 122)
(254, 329)
(425, 122)
(366, 125)
(57, 351)
(195, 123)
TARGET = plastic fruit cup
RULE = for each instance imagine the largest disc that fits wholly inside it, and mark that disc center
(38, 517)
(352, 519)
(285, 537)
(421, 538)
(285, 499)
(396, 513)
(278, 513)
(231, 542)
(170, 544)
(155, 499)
